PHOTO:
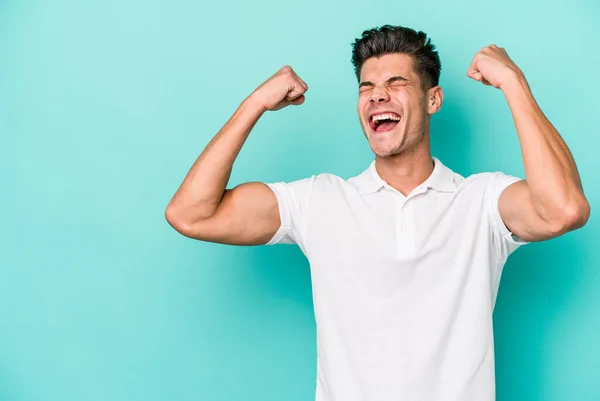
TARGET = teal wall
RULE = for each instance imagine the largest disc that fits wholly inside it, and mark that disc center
(104, 105)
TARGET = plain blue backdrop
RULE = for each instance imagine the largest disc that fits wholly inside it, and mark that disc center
(104, 105)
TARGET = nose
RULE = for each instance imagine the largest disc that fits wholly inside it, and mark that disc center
(379, 94)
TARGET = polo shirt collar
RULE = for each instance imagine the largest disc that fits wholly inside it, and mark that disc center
(441, 179)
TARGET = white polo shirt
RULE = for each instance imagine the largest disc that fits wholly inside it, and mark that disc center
(403, 287)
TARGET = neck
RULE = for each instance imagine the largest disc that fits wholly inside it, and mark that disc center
(406, 170)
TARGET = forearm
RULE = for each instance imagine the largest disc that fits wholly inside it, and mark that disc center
(552, 176)
(200, 194)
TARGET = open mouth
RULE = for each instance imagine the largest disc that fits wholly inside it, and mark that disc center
(383, 121)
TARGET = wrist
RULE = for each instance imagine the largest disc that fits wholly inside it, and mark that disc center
(517, 93)
(515, 80)
(254, 104)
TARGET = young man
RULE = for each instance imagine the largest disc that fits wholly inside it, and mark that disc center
(406, 257)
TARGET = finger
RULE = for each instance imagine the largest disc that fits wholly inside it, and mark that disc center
(473, 67)
(299, 80)
(289, 70)
(474, 74)
(286, 69)
(300, 84)
(297, 101)
(296, 90)
(303, 84)
(289, 102)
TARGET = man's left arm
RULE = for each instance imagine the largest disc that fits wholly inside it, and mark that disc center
(550, 202)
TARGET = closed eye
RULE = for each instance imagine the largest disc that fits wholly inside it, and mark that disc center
(393, 83)
(397, 84)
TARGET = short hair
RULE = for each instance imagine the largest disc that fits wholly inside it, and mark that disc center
(390, 39)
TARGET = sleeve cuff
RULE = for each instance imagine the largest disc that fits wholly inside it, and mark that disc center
(497, 221)
(284, 216)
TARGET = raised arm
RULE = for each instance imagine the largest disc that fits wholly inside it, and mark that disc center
(248, 214)
(550, 202)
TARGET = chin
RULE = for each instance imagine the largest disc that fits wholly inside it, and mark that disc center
(385, 152)
(384, 145)
(384, 149)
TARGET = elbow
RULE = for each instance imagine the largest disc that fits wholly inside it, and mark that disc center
(581, 214)
(178, 220)
(172, 216)
(190, 220)
(572, 217)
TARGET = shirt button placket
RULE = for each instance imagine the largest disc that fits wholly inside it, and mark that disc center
(406, 230)
(409, 229)
(401, 230)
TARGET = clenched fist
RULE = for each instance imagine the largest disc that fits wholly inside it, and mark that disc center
(492, 66)
(281, 90)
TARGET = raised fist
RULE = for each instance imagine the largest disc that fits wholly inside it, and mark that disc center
(281, 90)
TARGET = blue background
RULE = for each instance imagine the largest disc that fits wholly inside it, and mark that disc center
(105, 105)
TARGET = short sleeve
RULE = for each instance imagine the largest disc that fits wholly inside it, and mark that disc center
(505, 242)
(293, 199)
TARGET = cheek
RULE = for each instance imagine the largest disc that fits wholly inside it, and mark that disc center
(360, 109)
(360, 106)
(402, 99)
(415, 106)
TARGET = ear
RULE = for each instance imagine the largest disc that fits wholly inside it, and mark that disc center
(435, 98)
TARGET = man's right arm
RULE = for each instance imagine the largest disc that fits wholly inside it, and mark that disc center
(248, 214)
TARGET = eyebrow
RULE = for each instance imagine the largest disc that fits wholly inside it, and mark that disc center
(389, 81)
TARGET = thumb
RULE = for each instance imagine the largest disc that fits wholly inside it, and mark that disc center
(297, 101)
(474, 74)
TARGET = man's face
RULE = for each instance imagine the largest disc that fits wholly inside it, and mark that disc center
(392, 104)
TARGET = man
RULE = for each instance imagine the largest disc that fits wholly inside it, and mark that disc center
(406, 257)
